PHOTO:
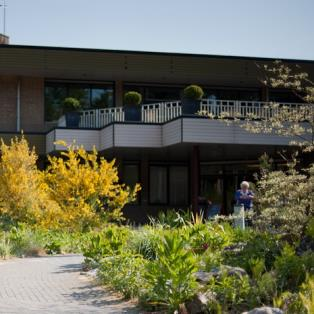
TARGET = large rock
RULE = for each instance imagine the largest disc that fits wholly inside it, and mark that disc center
(265, 310)
(204, 277)
(199, 303)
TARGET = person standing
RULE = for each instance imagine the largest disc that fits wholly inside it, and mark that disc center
(244, 196)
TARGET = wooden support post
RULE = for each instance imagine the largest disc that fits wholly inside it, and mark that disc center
(195, 178)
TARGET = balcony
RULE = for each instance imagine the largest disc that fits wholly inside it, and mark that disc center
(167, 111)
(163, 125)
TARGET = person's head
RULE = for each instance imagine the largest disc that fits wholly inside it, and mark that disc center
(245, 185)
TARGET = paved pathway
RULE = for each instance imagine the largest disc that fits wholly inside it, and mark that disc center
(53, 285)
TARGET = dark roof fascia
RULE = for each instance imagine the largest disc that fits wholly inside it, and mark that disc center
(170, 54)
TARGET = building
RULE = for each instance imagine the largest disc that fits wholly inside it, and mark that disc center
(175, 157)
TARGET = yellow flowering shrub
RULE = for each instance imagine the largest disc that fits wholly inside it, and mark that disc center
(86, 188)
(23, 191)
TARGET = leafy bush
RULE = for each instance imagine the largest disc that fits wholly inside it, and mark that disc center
(123, 272)
(23, 192)
(106, 243)
(5, 246)
(132, 98)
(169, 278)
(86, 188)
(71, 104)
(286, 200)
(232, 291)
(144, 241)
(307, 294)
(193, 92)
(171, 219)
(291, 269)
(256, 246)
(26, 241)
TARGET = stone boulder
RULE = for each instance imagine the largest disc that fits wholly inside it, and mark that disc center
(199, 303)
(265, 310)
(204, 277)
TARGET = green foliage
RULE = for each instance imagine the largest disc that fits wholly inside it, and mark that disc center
(171, 219)
(26, 241)
(71, 104)
(289, 302)
(5, 246)
(256, 246)
(123, 272)
(144, 241)
(132, 98)
(232, 291)
(169, 278)
(193, 92)
(307, 294)
(290, 269)
(285, 200)
(106, 243)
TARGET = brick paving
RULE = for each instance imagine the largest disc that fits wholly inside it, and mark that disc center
(53, 285)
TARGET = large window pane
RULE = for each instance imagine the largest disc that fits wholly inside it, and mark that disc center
(102, 97)
(158, 185)
(178, 180)
(81, 93)
(89, 95)
(54, 96)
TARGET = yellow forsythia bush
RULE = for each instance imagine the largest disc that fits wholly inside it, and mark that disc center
(86, 188)
(23, 191)
(78, 190)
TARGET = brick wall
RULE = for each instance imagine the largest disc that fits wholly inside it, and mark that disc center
(8, 103)
(32, 104)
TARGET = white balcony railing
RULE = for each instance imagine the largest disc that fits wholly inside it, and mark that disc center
(97, 118)
(166, 111)
(161, 112)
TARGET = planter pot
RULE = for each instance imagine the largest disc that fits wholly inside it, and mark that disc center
(72, 119)
(190, 106)
(132, 113)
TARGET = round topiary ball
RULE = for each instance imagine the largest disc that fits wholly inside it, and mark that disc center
(194, 92)
(71, 104)
(132, 98)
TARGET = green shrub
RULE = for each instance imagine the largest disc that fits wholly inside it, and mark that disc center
(71, 104)
(169, 278)
(307, 294)
(171, 219)
(256, 246)
(193, 92)
(290, 270)
(232, 291)
(5, 246)
(144, 242)
(123, 273)
(132, 98)
(26, 241)
(106, 243)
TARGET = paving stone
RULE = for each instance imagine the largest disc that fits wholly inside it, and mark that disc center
(53, 285)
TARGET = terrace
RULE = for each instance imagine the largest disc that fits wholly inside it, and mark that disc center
(167, 111)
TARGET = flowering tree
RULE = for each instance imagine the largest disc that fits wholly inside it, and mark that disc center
(86, 188)
(294, 122)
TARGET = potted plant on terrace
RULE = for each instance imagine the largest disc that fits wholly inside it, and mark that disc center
(132, 109)
(191, 100)
(71, 106)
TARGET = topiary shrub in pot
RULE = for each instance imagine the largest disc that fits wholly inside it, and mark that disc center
(192, 96)
(71, 106)
(132, 109)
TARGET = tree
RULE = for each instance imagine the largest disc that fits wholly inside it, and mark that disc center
(295, 122)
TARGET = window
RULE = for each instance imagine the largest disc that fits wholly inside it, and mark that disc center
(169, 185)
(130, 174)
(158, 186)
(89, 95)
(178, 184)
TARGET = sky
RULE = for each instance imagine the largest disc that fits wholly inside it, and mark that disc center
(261, 28)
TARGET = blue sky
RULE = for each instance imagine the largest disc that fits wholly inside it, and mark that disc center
(265, 28)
